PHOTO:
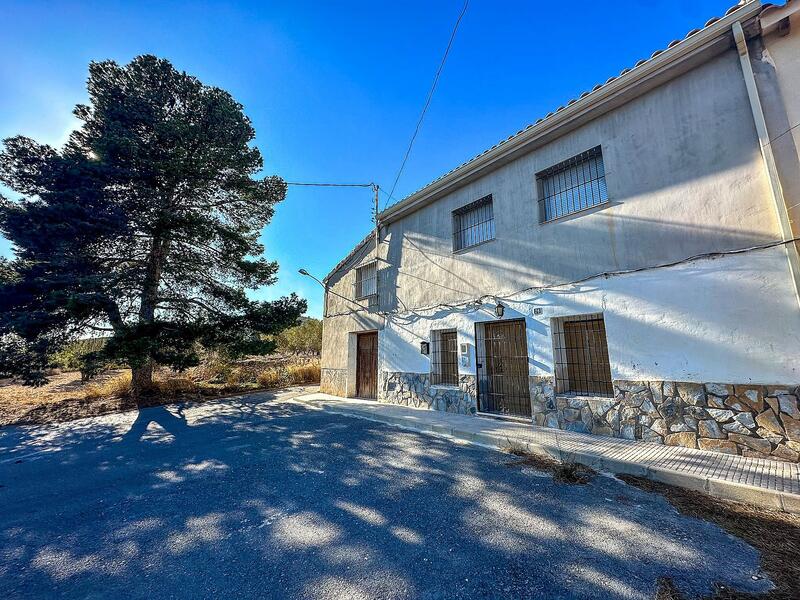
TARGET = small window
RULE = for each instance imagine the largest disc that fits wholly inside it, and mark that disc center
(473, 224)
(444, 359)
(572, 186)
(367, 280)
(580, 350)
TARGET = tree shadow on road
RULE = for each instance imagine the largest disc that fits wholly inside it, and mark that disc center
(173, 422)
(265, 499)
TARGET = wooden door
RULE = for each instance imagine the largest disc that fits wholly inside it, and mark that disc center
(367, 365)
(502, 369)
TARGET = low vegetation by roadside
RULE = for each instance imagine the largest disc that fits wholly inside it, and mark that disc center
(563, 472)
(73, 390)
(68, 396)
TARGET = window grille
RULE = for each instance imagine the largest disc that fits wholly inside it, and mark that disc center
(444, 358)
(367, 280)
(572, 186)
(473, 224)
(580, 350)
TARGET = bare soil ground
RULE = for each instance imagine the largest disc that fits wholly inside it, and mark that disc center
(61, 399)
(65, 396)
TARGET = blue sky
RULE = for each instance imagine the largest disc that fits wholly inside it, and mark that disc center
(334, 89)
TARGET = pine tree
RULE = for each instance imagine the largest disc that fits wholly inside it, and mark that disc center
(144, 227)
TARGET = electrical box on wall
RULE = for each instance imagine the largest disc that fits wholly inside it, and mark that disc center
(464, 352)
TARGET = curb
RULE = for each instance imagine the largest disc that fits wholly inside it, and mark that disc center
(719, 488)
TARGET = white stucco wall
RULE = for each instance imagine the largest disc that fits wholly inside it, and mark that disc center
(685, 176)
(345, 314)
(729, 319)
(778, 68)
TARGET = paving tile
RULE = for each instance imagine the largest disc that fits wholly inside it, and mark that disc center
(725, 473)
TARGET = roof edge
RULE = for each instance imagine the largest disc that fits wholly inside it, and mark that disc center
(342, 263)
(772, 15)
(628, 79)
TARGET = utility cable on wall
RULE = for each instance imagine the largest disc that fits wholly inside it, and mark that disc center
(508, 296)
(427, 102)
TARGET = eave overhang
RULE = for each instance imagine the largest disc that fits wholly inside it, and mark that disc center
(696, 48)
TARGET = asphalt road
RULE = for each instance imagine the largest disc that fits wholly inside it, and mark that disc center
(256, 498)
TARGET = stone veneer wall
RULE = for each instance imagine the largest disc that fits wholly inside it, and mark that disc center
(415, 389)
(751, 420)
(333, 381)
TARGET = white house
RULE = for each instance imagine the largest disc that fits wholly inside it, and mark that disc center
(624, 266)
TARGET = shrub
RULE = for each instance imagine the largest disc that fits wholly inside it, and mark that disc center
(84, 355)
(68, 359)
(174, 386)
(119, 386)
(241, 375)
(271, 377)
(305, 338)
(304, 373)
(215, 367)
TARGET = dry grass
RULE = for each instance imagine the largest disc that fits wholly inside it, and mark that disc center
(271, 377)
(304, 373)
(66, 397)
(116, 387)
(308, 372)
(569, 472)
(775, 534)
(175, 385)
(62, 399)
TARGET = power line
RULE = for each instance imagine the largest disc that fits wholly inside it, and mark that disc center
(427, 102)
(777, 137)
(509, 296)
(330, 184)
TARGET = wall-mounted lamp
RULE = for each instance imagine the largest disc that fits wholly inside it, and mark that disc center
(424, 348)
(305, 273)
(499, 310)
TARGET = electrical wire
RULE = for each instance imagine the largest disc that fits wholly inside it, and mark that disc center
(508, 296)
(427, 102)
(330, 184)
(780, 135)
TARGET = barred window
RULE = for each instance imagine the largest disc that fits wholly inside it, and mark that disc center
(580, 353)
(444, 361)
(367, 280)
(473, 224)
(572, 185)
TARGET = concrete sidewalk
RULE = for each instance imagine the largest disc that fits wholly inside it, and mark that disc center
(766, 483)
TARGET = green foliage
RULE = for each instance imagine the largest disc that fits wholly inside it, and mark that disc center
(144, 226)
(73, 356)
(305, 338)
